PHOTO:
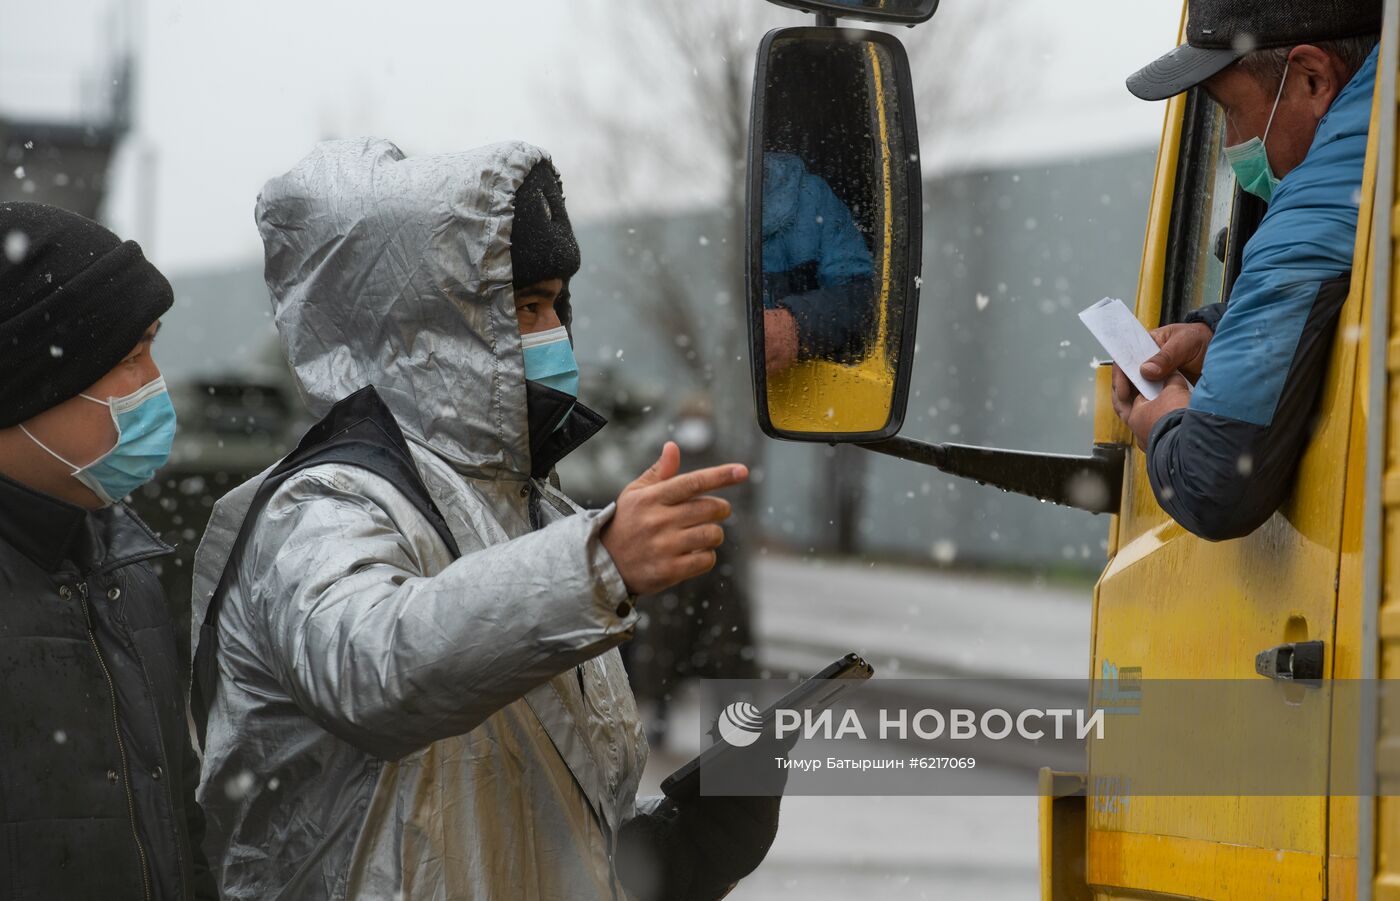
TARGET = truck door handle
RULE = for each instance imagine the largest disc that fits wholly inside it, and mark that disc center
(1295, 662)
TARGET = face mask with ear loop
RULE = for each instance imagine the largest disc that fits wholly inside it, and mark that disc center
(1251, 161)
(145, 421)
(550, 361)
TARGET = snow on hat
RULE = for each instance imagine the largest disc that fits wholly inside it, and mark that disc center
(542, 244)
(74, 302)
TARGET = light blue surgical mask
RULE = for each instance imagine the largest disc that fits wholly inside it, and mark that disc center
(549, 360)
(1250, 160)
(145, 421)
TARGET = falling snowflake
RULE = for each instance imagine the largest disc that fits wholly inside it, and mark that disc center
(237, 787)
(16, 245)
(1244, 43)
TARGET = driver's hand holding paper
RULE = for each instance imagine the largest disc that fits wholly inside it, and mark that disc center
(1147, 381)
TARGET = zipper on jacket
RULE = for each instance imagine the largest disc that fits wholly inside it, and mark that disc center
(121, 746)
(186, 867)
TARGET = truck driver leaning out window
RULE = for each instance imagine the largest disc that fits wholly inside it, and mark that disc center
(1221, 459)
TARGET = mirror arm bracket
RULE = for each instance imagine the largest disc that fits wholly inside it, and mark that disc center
(825, 20)
(1093, 483)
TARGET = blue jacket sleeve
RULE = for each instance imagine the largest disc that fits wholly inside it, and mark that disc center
(832, 320)
(1222, 477)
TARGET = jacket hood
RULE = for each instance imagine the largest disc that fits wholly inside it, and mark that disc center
(395, 272)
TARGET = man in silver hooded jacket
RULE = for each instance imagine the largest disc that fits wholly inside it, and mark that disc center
(387, 722)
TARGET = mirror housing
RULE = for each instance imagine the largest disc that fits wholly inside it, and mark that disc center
(833, 150)
(901, 12)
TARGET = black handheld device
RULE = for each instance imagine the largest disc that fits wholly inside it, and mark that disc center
(815, 694)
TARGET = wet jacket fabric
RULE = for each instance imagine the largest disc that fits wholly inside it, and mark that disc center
(1223, 465)
(390, 720)
(816, 265)
(96, 771)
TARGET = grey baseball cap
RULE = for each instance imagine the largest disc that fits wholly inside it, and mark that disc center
(1219, 32)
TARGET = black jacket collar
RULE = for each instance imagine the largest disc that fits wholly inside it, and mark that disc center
(50, 531)
(551, 442)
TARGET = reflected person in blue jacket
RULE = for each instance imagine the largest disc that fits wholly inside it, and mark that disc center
(818, 277)
(1222, 459)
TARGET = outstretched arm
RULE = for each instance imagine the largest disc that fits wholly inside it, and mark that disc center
(390, 658)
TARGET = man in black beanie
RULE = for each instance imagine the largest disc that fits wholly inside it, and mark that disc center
(96, 770)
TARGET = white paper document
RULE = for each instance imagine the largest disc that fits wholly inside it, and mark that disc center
(1125, 339)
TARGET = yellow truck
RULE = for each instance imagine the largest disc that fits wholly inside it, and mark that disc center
(1317, 582)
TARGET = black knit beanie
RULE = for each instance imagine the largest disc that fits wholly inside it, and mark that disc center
(74, 302)
(542, 244)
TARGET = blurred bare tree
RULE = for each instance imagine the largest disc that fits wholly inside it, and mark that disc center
(670, 128)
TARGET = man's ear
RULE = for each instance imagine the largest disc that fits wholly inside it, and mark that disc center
(1323, 77)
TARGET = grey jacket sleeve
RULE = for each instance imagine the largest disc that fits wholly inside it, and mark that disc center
(390, 659)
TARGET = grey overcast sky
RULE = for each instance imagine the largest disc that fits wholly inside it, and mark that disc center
(231, 94)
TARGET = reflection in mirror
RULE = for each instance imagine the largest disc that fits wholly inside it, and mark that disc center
(834, 190)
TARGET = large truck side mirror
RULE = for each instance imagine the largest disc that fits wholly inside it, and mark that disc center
(903, 12)
(834, 234)
(834, 243)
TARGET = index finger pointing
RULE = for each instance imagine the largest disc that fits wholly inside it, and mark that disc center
(688, 484)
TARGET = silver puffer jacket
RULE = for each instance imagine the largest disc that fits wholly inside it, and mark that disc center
(389, 723)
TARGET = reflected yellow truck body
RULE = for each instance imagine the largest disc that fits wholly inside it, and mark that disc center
(819, 396)
(1323, 568)
(822, 396)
